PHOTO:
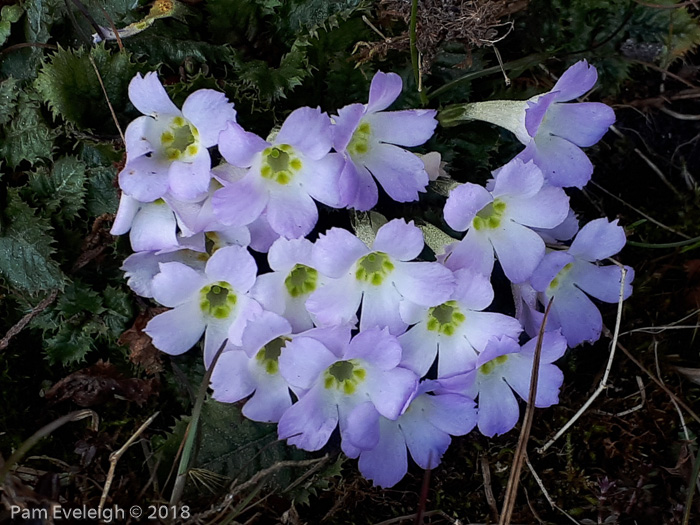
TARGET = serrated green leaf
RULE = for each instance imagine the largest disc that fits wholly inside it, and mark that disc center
(26, 249)
(79, 298)
(41, 15)
(8, 16)
(246, 25)
(101, 195)
(27, 137)
(270, 83)
(69, 345)
(118, 311)
(62, 191)
(160, 46)
(9, 91)
(71, 88)
(231, 445)
(306, 15)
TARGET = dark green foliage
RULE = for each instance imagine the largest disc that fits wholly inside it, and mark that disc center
(26, 249)
(101, 195)
(306, 16)
(81, 320)
(9, 91)
(69, 85)
(27, 137)
(230, 445)
(41, 15)
(60, 192)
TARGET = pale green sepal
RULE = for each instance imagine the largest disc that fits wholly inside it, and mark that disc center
(508, 114)
(435, 238)
(366, 225)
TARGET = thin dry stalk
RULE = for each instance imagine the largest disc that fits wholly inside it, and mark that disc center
(488, 490)
(546, 494)
(603, 382)
(43, 305)
(42, 433)
(104, 91)
(521, 449)
(115, 456)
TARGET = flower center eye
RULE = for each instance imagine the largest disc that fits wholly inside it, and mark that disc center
(301, 280)
(279, 164)
(559, 277)
(180, 140)
(445, 318)
(373, 268)
(217, 299)
(359, 142)
(489, 217)
(269, 354)
(489, 367)
(344, 376)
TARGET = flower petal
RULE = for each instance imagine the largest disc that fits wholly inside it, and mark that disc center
(234, 265)
(424, 283)
(562, 162)
(498, 408)
(189, 181)
(176, 284)
(291, 212)
(384, 90)
(474, 252)
(518, 178)
(575, 81)
(402, 240)
(336, 251)
(309, 422)
(411, 127)
(231, 380)
(420, 348)
(518, 374)
(579, 318)
(380, 308)
(582, 123)
(176, 331)
(285, 253)
(519, 250)
(425, 443)
(209, 111)
(546, 209)
(307, 130)
(148, 95)
(598, 240)
(464, 202)
(376, 346)
(335, 303)
(602, 282)
(473, 290)
(363, 426)
(320, 179)
(263, 329)
(303, 360)
(270, 401)
(357, 187)
(238, 146)
(391, 390)
(154, 228)
(344, 125)
(241, 202)
(214, 336)
(135, 137)
(145, 178)
(400, 172)
(128, 208)
(536, 110)
(386, 463)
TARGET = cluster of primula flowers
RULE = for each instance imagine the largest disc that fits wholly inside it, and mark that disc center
(356, 333)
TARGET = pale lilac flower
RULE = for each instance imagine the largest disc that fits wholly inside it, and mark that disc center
(214, 303)
(369, 138)
(570, 275)
(503, 367)
(336, 383)
(424, 428)
(501, 221)
(167, 148)
(141, 267)
(556, 132)
(455, 331)
(292, 280)
(253, 368)
(283, 176)
(152, 226)
(380, 278)
(553, 132)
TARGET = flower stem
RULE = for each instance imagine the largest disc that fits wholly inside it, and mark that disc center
(414, 50)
